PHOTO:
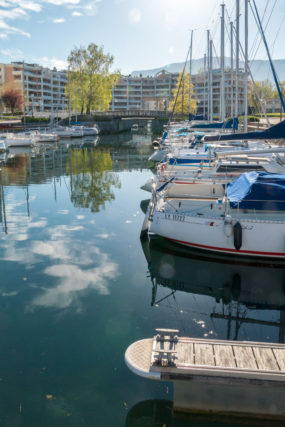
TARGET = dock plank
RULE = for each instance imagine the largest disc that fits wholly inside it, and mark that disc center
(185, 353)
(204, 354)
(224, 356)
(244, 357)
(265, 359)
(280, 357)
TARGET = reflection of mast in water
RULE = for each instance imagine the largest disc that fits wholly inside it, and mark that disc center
(71, 181)
(3, 208)
(28, 199)
(240, 320)
(54, 181)
(27, 185)
(238, 286)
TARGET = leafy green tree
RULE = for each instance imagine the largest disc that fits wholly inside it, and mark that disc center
(262, 90)
(182, 103)
(91, 81)
(91, 178)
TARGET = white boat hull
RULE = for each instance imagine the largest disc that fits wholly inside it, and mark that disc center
(260, 238)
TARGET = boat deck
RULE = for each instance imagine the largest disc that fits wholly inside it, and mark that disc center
(213, 208)
(167, 356)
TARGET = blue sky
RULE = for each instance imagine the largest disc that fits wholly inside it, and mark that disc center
(141, 34)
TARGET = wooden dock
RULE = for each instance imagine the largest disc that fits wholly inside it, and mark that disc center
(214, 375)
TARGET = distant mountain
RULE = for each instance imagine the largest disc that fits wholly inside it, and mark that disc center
(260, 68)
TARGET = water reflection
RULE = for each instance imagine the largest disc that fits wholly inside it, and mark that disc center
(89, 173)
(242, 290)
(91, 179)
(160, 413)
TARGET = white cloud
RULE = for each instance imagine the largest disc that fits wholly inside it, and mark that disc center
(74, 281)
(89, 8)
(58, 20)
(21, 9)
(18, 55)
(12, 13)
(171, 50)
(62, 2)
(134, 16)
(14, 54)
(51, 62)
(28, 5)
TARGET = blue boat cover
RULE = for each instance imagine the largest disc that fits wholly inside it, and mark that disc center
(274, 132)
(196, 117)
(258, 190)
(228, 124)
(184, 129)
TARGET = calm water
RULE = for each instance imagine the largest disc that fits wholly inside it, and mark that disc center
(77, 287)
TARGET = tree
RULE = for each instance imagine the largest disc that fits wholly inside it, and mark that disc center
(91, 81)
(12, 99)
(182, 103)
(262, 90)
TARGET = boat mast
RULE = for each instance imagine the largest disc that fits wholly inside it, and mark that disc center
(211, 81)
(69, 113)
(204, 97)
(190, 72)
(237, 57)
(232, 69)
(222, 60)
(245, 64)
(208, 58)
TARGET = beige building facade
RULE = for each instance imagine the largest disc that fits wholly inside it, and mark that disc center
(41, 88)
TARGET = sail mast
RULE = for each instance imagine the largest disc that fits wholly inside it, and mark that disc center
(237, 59)
(245, 64)
(222, 83)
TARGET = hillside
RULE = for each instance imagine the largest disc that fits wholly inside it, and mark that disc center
(259, 68)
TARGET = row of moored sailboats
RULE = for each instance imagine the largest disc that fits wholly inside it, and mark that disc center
(31, 138)
(216, 192)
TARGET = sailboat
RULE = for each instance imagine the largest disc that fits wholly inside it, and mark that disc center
(248, 221)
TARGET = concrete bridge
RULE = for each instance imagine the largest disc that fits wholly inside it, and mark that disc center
(111, 114)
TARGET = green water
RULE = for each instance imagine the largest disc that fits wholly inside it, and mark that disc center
(77, 287)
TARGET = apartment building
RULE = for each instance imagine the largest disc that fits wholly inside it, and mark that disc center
(144, 93)
(155, 93)
(200, 82)
(41, 88)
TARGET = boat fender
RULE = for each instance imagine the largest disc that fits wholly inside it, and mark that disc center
(228, 226)
(237, 236)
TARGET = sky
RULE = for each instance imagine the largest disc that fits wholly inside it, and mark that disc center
(140, 34)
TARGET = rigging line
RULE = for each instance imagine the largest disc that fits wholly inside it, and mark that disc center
(265, 27)
(254, 84)
(257, 33)
(258, 68)
(277, 34)
(178, 90)
(276, 80)
(208, 24)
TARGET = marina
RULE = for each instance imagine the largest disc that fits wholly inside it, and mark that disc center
(79, 238)
(142, 214)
